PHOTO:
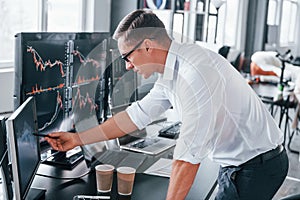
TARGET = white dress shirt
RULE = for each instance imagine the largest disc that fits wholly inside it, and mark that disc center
(222, 118)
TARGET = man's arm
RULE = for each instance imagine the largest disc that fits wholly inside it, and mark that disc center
(182, 178)
(117, 126)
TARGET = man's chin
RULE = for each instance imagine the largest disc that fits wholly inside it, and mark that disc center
(146, 76)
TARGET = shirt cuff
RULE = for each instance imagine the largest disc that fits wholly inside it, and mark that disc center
(138, 116)
(185, 153)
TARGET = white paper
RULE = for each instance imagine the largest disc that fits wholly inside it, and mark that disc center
(162, 167)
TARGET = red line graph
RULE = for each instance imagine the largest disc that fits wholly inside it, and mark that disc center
(84, 101)
(41, 65)
(85, 60)
(81, 80)
(39, 89)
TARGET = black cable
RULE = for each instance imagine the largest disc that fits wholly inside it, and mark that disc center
(2, 159)
(65, 178)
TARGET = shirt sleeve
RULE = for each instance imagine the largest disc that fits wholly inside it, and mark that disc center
(200, 99)
(151, 106)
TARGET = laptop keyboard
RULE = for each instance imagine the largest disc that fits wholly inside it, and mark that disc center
(172, 131)
(121, 158)
(112, 157)
(133, 160)
(140, 145)
(144, 143)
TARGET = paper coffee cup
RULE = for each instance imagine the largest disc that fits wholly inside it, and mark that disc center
(104, 177)
(125, 180)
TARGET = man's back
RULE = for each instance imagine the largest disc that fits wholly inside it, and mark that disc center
(221, 115)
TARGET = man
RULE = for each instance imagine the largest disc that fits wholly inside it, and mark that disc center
(222, 118)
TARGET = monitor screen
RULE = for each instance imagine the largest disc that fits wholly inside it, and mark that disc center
(127, 86)
(23, 147)
(63, 71)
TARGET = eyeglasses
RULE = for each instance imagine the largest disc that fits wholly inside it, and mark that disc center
(125, 57)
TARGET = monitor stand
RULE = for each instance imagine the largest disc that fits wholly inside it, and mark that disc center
(36, 194)
(65, 160)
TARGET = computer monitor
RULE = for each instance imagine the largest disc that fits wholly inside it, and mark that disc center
(65, 74)
(5, 186)
(62, 72)
(127, 86)
(23, 148)
(2, 139)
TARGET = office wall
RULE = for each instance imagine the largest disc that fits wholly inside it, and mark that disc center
(7, 85)
(96, 15)
(297, 33)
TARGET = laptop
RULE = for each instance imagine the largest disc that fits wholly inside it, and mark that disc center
(104, 153)
(138, 140)
(118, 158)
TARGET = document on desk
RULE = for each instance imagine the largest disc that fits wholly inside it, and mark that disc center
(162, 167)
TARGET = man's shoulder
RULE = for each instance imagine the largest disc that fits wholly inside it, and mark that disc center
(188, 50)
(189, 46)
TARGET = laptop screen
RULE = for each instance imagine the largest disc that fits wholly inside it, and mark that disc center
(136, 134)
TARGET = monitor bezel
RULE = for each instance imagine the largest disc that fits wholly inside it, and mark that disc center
(2, 139)
(13, 148)
(4, 168)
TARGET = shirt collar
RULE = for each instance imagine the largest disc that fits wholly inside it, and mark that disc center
(171, 61)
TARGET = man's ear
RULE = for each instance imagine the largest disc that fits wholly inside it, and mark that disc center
(148, 45)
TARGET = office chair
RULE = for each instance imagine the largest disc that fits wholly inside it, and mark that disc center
(224, 50)
(238, 62)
